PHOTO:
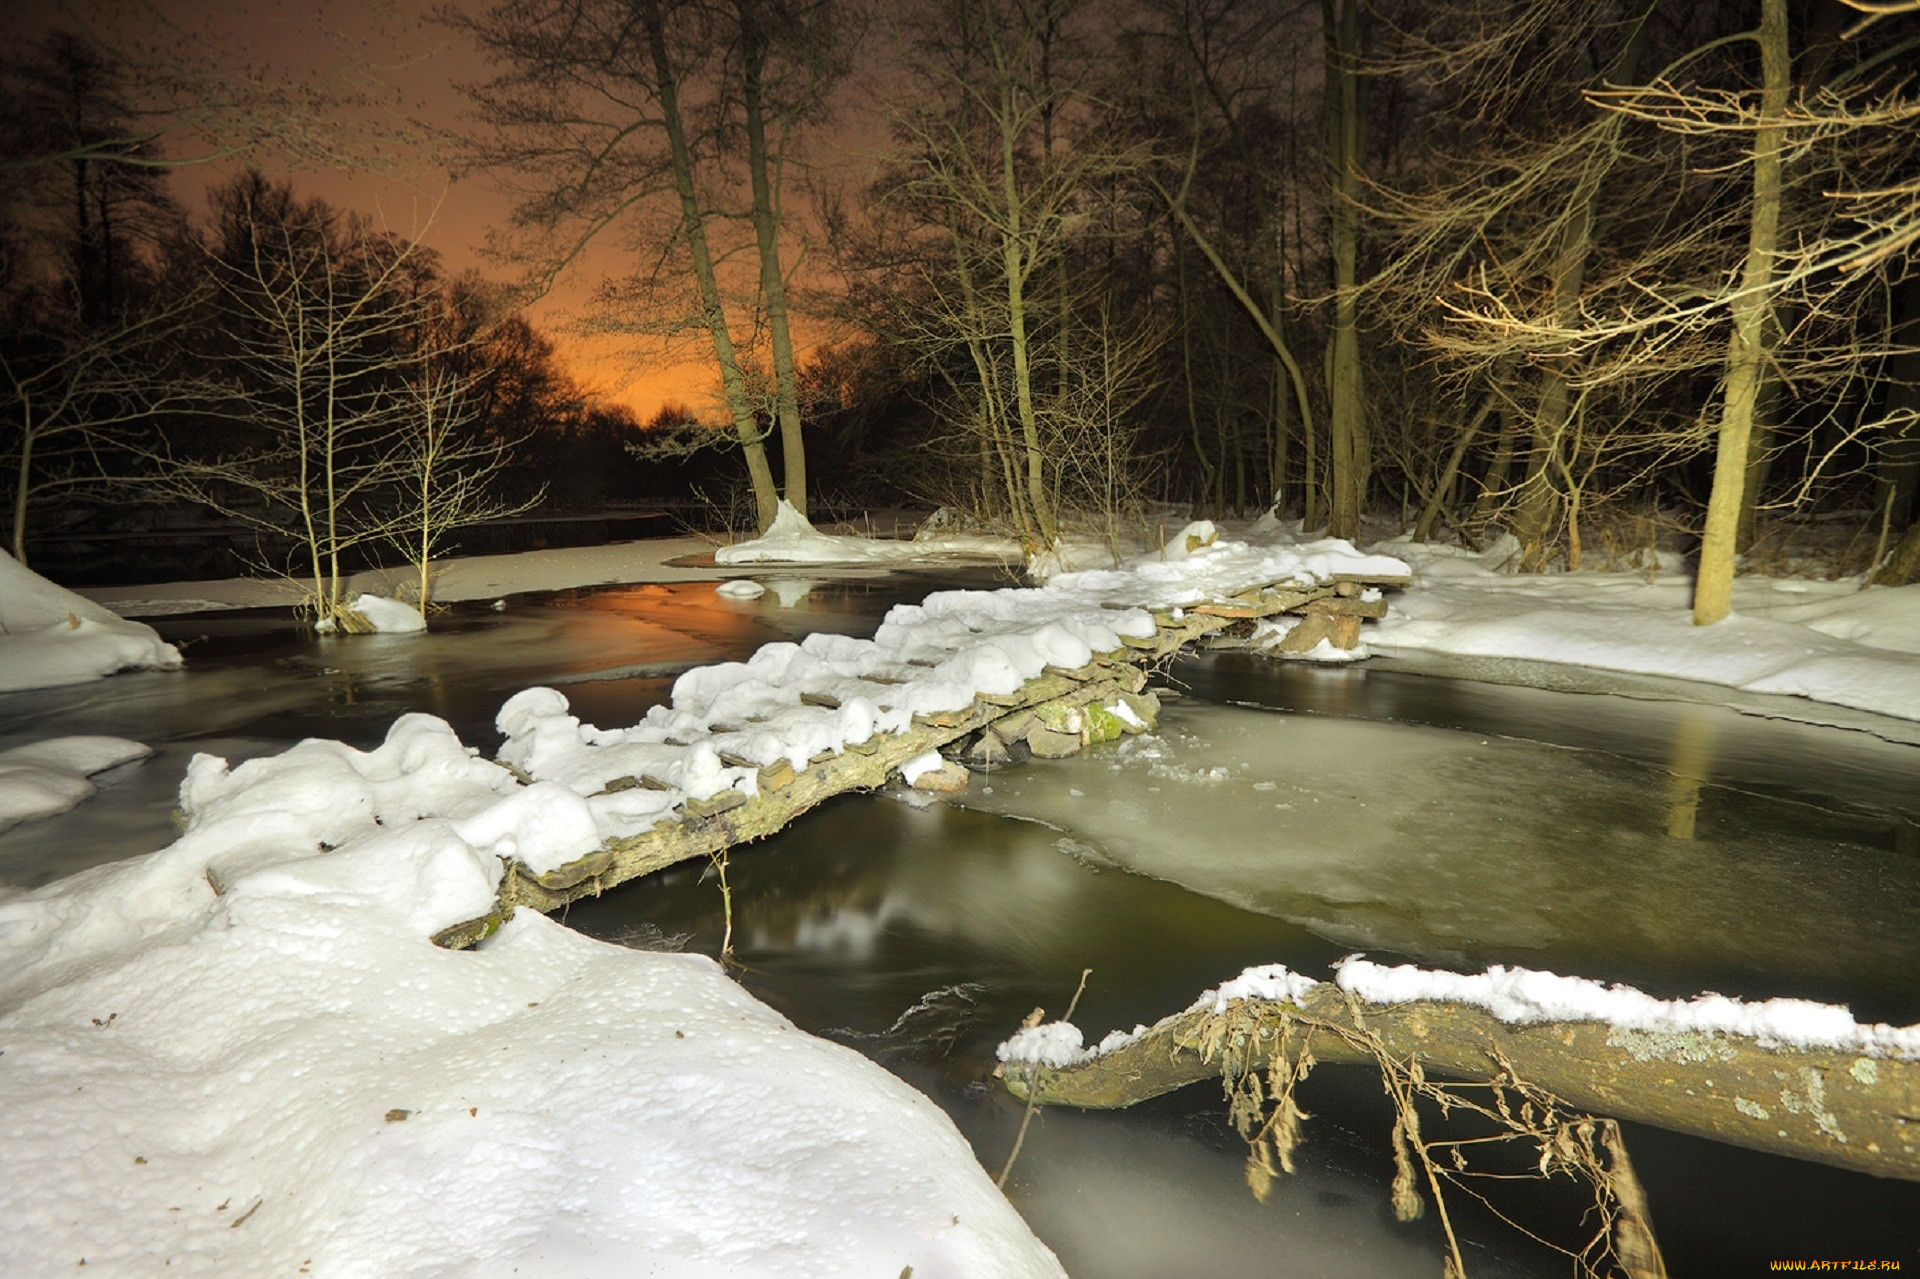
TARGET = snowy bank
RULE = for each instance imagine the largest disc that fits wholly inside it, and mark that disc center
(1826, 641)
(242, 1055)
(50, 636)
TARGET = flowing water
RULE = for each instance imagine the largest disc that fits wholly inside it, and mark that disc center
(1281, 813)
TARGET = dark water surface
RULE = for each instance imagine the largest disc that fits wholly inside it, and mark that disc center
(1286, 813)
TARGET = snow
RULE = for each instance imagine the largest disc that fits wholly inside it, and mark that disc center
(792, 540)
(43, 778)
(1060, 1044)
(1267, 981)
(388, 616)
(1523, 996)
(1518, 996)
(1825, 641)
(920, 765)
(243, 1055)
(50, 636)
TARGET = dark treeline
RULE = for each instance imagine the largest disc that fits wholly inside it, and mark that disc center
(274, 366)
(1608, 277)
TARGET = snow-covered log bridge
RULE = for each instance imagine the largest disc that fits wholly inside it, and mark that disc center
(745, 747)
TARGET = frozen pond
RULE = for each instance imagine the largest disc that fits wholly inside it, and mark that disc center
(1282, 814)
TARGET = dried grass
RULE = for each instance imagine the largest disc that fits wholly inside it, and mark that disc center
(1262, 1106)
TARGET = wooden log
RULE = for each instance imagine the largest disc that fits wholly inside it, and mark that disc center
(710, 827)
(669, 843)
(1264, 603)
(1342, 606)
(1851, 1111)
(1338, 630)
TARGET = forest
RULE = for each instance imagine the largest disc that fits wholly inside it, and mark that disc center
(1615, 279)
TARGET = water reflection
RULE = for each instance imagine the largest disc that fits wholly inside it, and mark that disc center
(1688, 767)
(920, 934)
(1461, 850)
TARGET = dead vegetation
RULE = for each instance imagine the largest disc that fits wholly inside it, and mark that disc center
(1504, 1112)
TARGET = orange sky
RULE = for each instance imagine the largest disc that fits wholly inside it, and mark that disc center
(415, 66)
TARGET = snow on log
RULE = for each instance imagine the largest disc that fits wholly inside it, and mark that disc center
(743, 748)
(1786, 1077)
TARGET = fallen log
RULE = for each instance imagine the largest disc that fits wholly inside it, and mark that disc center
(706, 830)
(1057, 712)
(1858, 1110)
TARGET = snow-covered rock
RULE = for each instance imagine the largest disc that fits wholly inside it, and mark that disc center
(385, 616)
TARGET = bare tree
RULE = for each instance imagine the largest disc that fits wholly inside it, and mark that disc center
(444, 472)
(606, 109)
(72, 395)
(999, 176)
(355, 419)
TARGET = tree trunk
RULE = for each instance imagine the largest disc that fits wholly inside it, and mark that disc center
(1430, 513)
(1017, 263)
(1752, 310)
(1268, 329)
(1900, 454)
(22, 475)
(773, 285)
(693, 226)
(1824, 1105)
(1346, 418)
(1902, 564)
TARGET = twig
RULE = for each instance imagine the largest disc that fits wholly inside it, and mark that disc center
(1033, 1094)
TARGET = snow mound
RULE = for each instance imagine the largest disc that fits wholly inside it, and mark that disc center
(49, 636)
(246, 1048)
(792, 540)
(385, 616)
(44, 778)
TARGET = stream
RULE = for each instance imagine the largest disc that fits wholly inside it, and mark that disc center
(1288, 813)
